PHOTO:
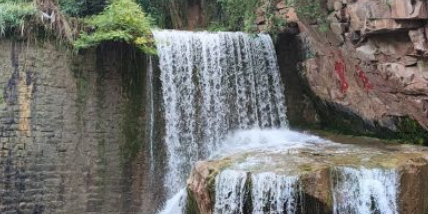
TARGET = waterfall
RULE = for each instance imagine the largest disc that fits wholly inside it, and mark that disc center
(152, 115)
(176, 204)
(230, 192)
(222, 95)
(214, 83)
(271, 193)
(274, 193)
(365, 191)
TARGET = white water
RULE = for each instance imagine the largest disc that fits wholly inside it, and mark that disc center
(222, 95)
(230, 192)
(265, 140)
(365, 191)
(152, 116)
(272, 193)
(176, 204)
(213, 83)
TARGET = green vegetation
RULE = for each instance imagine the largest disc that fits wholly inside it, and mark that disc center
(411, 132)
(191, 204)
(122, 21)
(158, 10)
(312, 10)
(81, 8)
(239, 14)
(99, 21)
(14, 14)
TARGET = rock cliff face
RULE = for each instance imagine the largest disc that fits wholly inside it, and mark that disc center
(67, 126)
(370, 66)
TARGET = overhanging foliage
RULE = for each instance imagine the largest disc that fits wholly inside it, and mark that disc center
(122, 21)
(14, 14)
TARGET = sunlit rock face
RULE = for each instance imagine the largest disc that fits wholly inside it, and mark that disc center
(365, 62)
(312, 175)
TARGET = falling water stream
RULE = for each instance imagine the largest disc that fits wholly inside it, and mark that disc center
(214, 83)
(222, 94)
(152, 115)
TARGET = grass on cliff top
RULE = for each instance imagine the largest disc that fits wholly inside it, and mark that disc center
(121, 21)
(14, 14)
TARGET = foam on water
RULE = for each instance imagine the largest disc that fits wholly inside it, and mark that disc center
(266, 140)
(176, 204)
(222, 95)
(230, 192)
(214, 83)
(365, 191)
(273, 193)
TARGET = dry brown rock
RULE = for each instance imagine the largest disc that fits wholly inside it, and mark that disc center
(408, 60)
(409, 9)
(423, 68)
(408, 79)
(338, 28)
(371, 17)
(338, 5)
(419, 40)
(367, 52)
(384, 48)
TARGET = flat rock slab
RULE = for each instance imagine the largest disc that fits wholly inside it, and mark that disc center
(357, 175)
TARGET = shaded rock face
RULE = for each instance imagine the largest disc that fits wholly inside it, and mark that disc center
(67, 126)
(369, 68)
(323, 178)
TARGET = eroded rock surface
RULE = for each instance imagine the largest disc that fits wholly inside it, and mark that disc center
(369, 65)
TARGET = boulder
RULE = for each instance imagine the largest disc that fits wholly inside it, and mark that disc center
(409, 9)
(423, 68)
(419, 41)
(367, 52)
(338, 28)
(408, 60)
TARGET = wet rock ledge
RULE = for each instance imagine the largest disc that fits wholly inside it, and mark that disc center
(319, 177)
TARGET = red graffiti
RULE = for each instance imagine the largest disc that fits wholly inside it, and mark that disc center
(340, 68)
(363, 78)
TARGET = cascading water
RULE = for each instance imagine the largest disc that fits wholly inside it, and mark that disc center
(152, 114)
(365, 191)
(274, 193)
(230, 192)
(222, 94)
(213, 83)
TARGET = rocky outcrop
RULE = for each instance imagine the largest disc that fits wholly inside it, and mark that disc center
(369, 65)
(324, 172)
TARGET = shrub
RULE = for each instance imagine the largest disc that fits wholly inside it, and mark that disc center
(80, 8)
(122, 21)
(13, 15)
(239, 14)
(312, 10)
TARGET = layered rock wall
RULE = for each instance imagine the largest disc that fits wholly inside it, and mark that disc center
(366, 71)
(67, 124)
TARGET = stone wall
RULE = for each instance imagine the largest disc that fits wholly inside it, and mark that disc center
(67, 126)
